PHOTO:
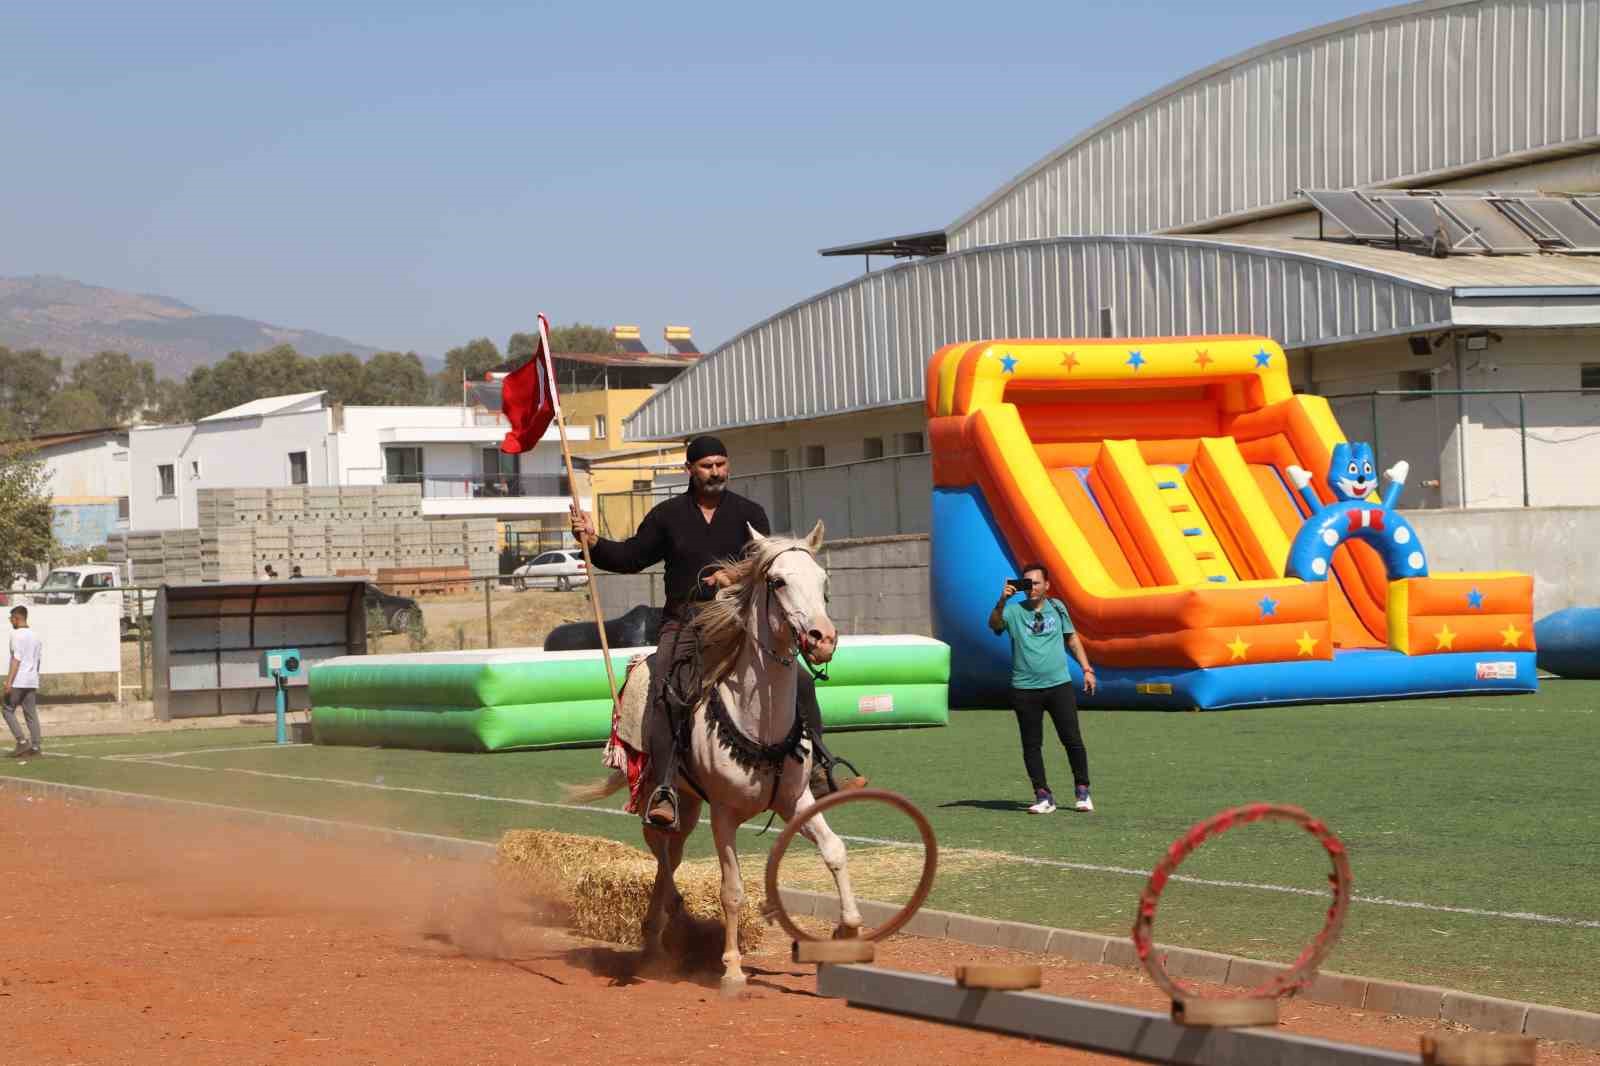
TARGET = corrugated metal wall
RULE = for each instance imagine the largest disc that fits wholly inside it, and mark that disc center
(1382, 99)
(865, 343)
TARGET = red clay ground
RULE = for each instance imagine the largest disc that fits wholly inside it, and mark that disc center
(136, 937)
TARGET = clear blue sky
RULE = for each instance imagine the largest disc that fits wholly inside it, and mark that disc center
(413, 175)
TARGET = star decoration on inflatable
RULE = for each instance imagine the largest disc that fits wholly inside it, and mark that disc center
(1306, 642)
(1238, 648)
(1136, 360)
(1263, 358)
(1070, 361)
(1269, 606)
(1475, 600)
(1446, 639)
(1512, 635)
(1202, 359)
(1008, 364)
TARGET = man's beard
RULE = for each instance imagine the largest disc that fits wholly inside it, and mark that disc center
(711, 486)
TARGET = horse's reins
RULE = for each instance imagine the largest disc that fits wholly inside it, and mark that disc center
(802, 644)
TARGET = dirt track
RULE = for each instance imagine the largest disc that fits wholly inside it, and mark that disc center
(135, 937)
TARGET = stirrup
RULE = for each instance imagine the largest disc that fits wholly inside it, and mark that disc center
(660, 795)
(826, 761)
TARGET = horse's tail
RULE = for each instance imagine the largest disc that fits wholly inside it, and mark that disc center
(596, 790)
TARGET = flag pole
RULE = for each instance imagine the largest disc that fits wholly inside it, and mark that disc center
(572, 483)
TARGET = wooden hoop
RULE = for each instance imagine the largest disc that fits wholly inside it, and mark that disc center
(930, 860)
(1304, 968)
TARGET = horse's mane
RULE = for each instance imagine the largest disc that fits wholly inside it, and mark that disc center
(720, 624)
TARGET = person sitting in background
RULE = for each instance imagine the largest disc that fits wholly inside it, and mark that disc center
(1041, 632)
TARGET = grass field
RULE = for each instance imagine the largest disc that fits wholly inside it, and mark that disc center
(1473, 824)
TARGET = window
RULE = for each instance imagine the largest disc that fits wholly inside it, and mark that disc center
(122, 508)
(911, 444)
(168, 478)
(641, 485)
(778, 459)
(872, 448)
(297, 468)
(497, 462)
(816, 455)
(599, 427)
(402, 466)
(194, 469)
(1589, 376)
(1416, 381)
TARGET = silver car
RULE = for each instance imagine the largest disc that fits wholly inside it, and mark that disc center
(560, 570)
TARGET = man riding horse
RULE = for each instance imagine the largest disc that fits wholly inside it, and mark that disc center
(691, 534)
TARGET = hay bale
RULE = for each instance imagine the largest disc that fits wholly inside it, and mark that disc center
(549, 864)
(610, 900)
(607, 885)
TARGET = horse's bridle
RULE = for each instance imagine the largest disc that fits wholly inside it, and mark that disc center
(818, 673)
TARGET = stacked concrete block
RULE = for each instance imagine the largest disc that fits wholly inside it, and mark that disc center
(346, 547)
(413, 543)
(322, 505)
(272, 549)
(481, 542)
(397, 501)
(357, 502)
(377, 545)
(231, 507)
(446, 541)
(286, 505)
(227, 553)
(181, 555)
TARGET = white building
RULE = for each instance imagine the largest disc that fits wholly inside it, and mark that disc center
(88, 483)
(451, 452)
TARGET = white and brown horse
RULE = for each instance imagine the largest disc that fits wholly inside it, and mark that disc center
(750, 639)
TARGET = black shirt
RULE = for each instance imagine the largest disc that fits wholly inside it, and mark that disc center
(677, 533)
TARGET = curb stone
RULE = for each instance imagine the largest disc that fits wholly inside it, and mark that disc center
(1387, 997)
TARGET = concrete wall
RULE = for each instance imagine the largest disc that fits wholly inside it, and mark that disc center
(232, 453)
(87, 524)
(1551, 543)
(842, 438)
(82, 646)
(88, 480)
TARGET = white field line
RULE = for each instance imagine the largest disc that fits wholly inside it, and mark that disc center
(1020, 860)
(141, 756)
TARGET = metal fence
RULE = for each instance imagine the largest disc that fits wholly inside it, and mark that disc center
(1483, 447)
(867, 498)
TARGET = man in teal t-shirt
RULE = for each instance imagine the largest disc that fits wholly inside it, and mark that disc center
(1041, 632)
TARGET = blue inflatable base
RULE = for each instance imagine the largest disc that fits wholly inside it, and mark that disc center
(1569, 642)
(969, 567)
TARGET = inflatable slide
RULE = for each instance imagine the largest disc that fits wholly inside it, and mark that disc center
(1215, 538)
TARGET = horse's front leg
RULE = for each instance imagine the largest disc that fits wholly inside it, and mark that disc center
(725, 830)
(832, 850)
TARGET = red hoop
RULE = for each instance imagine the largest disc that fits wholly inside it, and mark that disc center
(1304, 968)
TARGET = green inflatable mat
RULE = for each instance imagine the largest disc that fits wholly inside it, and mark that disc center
(530, 698)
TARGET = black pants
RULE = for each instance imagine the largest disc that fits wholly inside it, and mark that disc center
(1061, 703)
(659, 726)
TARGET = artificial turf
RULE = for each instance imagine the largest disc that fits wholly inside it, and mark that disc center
(1486, 804)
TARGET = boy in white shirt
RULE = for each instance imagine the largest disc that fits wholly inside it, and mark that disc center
(22, 683)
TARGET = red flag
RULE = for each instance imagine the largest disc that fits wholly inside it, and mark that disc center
(528, 397)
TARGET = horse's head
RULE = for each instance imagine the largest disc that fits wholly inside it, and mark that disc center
(797, 586)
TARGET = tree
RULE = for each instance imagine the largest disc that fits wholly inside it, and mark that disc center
(27, 380)
(167, 403)
(395, 378)
(73, 410)
(25, 534)
(582, 339)
(121, 385)
(246, 376)
(342, 376)
(470, 360)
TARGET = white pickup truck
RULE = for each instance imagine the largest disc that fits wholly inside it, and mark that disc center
(80, 584)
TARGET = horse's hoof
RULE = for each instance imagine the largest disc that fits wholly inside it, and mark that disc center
(846, 932)
(733, 988)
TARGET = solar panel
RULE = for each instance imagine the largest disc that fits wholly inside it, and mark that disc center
(1423, 215)
(1494, 229)
(1351, 212)
(1567, 220)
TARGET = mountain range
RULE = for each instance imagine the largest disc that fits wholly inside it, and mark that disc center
(72, 320)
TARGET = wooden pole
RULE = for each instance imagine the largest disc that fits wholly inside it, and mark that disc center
(572, 483)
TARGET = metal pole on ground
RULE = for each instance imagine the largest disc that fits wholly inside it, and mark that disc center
(1522, 432)
(488, 614)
